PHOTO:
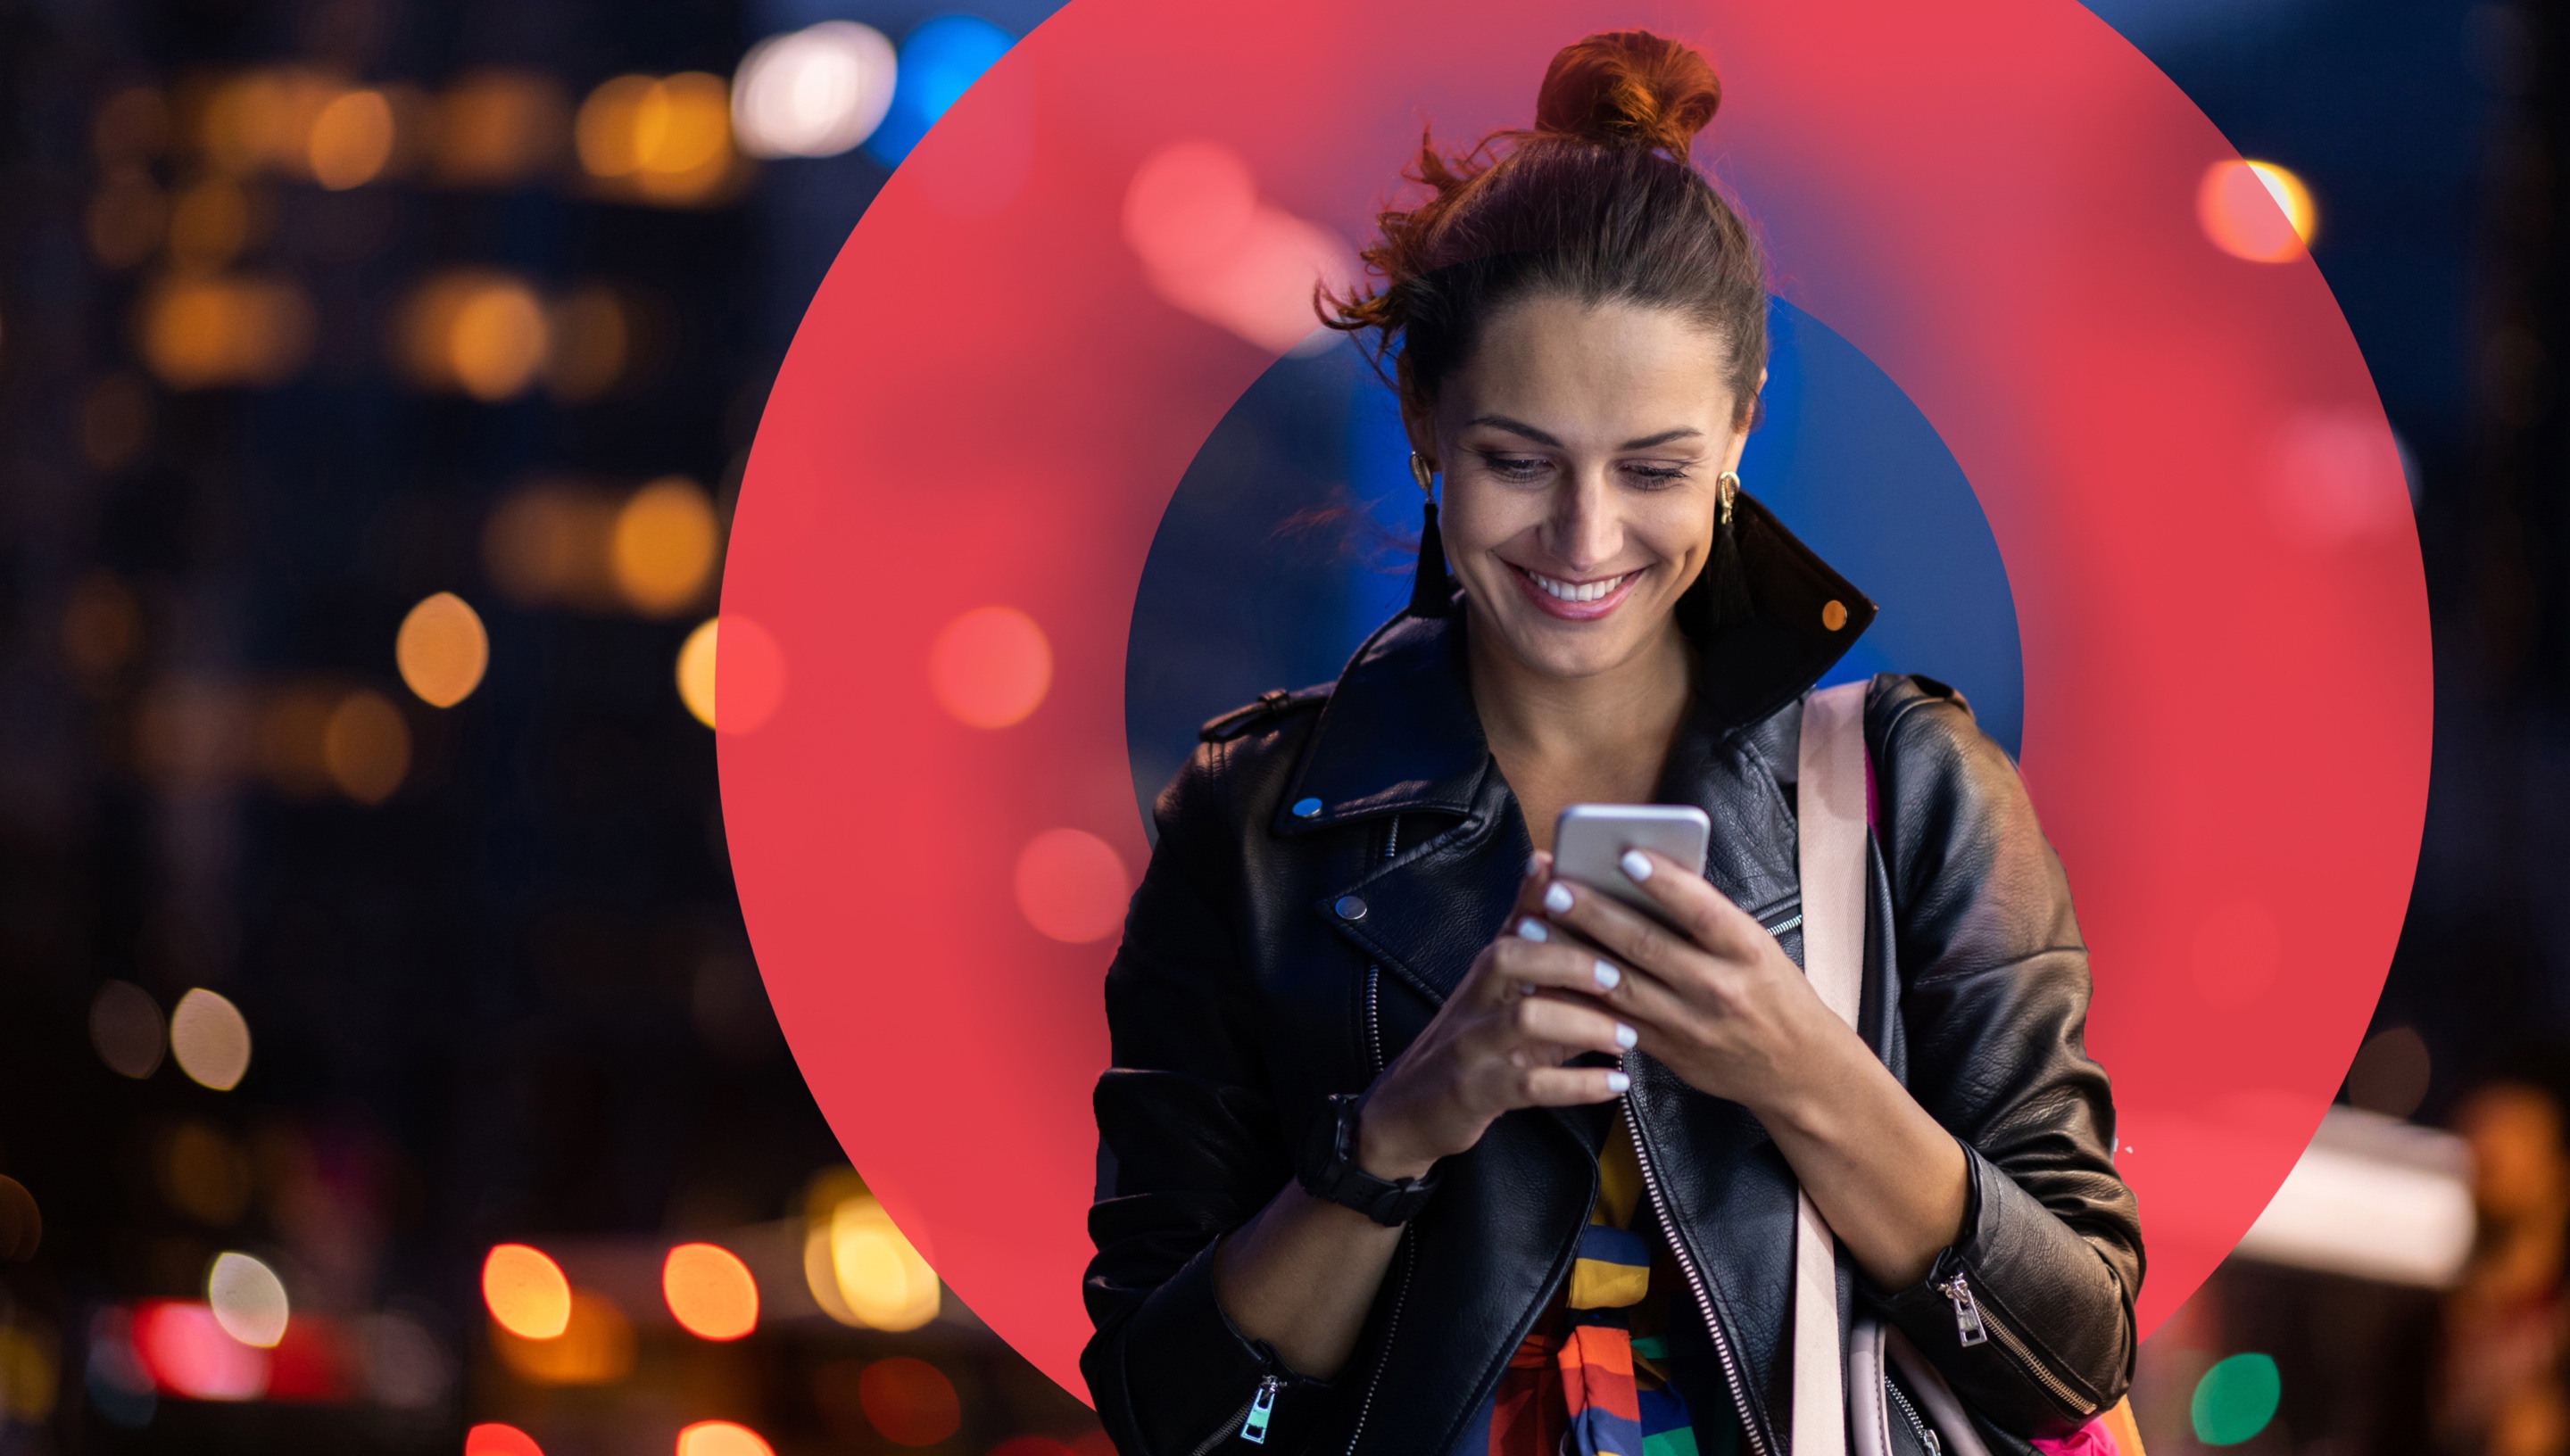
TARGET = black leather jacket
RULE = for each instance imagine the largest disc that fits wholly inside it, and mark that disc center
(1272, 958)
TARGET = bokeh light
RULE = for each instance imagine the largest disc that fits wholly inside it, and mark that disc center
(125, 1028)
(660, 140)
(814, 92)
(595, 1346)
(1072, 886)
(1187, 204)
(2234, 1400)
(709, 1292)
(209, 1040)
(210, 222)
(405, 1367)
(750, 663)
(990, 667)
(205, 332)
(247, 1299)
(548, 545)
(366, 745)
(203, 1174)
(1213, 248)
(22, 1223)
(442, 649)
(909, 1401)
(493, 1438)
(2390, 1073)
(722, 1438)
(350, 139)
(591, 343)
(497, 127)
(186, 1352)
(477, 331)
(127, 217)
(940, 61)
(663, 548)
(526, 1292)
(2255, 210)
(861, 1271)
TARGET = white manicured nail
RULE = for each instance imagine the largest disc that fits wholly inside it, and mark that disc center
(1607, 976)
(1625, 1035)
(1556, 899)
(1531, 929)
(1617, 1082)
(1638, 865)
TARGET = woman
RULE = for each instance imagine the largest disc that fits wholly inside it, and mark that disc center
(1419, 1148)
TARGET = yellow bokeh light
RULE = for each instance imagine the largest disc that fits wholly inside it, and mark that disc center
(696, 670)
(526, 1292)
(664, 139)
(366, 745)
(663, 552)
(2257, 211)
(595, 1347)
(247, 1299)
(202, 333)
(442, 650)
(547, 545)
(862, 1271)
(210, 1039)
(722, 1438)
(351, 140)
(210, 224)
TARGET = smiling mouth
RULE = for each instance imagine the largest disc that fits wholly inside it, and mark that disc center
(1575, 592)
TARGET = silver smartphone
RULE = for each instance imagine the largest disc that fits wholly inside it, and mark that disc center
(1590, 839)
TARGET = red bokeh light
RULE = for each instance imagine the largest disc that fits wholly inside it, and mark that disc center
(491, 1438)
(909, 1402)
(1070, 886)
(991, 667)
(187, 1353)
(710, 1290)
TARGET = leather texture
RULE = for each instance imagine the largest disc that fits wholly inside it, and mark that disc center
(1272, 957)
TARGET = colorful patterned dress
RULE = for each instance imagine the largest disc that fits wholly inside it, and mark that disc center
(1592, 1380)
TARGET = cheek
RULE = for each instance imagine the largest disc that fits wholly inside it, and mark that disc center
(1673, 530)
(1477, 517)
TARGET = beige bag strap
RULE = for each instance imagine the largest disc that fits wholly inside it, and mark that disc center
(1831, 796)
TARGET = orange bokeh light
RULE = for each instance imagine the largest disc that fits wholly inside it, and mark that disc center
(1070, 886)
(722, 1438)
(526, 1292)
(351, 140)
(710, 1290)
(990, 667)
(2255, 210)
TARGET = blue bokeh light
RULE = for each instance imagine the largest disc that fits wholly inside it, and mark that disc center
(940, 61)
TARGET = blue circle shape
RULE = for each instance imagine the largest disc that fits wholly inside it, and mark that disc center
(940, 61)
(1293, 532)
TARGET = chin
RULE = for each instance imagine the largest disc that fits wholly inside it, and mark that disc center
(1569, 649)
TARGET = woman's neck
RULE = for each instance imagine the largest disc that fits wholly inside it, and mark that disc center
(1599, 739)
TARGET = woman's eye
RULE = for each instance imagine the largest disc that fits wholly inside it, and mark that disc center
(1516, 467)
(1653, 475)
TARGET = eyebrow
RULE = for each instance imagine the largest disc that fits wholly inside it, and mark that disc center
(1521, 427)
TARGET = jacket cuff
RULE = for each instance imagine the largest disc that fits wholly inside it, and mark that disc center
(1190, 1375)
(2027, 1323)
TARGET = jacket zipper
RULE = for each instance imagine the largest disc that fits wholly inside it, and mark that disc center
(1251, 1415)
(1409, 1259)
(1926, 1437)
(1694, 1276)
(1974, 1327)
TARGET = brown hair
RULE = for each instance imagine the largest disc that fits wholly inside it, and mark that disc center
(1597, 201)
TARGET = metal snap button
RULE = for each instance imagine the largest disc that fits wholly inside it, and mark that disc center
(1350, 908)
(1306, 808)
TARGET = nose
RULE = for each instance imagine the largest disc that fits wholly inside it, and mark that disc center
(1584, 529)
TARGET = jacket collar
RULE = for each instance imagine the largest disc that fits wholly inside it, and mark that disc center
(1400, 732)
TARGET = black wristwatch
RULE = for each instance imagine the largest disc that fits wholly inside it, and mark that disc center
(1328, 1169)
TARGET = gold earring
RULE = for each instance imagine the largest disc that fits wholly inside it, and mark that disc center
(1726, 487)
(1419, 469)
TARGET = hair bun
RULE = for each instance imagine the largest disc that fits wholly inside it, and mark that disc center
(1631, 87)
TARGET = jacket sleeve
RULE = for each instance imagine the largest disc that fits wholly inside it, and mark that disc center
(1184, 1116)
(1994, 1004)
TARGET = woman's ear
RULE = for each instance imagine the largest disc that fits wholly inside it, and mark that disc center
(1422, 432)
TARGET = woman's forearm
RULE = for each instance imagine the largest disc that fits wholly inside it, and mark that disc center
(1889, 1180)
(1301, 1277)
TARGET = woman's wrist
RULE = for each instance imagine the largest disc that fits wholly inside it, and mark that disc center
(1382, 1151)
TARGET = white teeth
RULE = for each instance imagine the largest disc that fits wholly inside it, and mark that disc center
(1566, 591)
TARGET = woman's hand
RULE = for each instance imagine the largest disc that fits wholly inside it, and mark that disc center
(1528, 1004)
(1717, 1001)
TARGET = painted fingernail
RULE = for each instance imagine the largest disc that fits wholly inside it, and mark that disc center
(1535, 865)
(1607, 976)
(1558, 898)
(1531, 929)
(1625, 1035)
(1638, 865)
(1617, 1082)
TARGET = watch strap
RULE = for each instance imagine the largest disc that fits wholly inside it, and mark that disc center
(1328, 1169)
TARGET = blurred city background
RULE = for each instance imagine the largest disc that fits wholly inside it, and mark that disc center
(382, 1063)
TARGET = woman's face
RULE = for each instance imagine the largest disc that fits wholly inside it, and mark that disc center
(1580, 445)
